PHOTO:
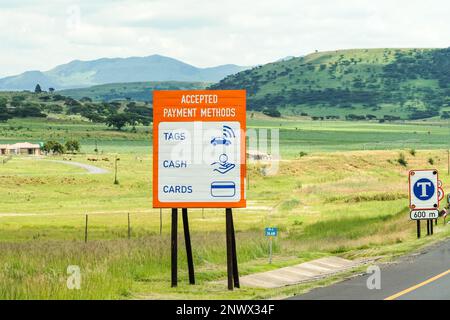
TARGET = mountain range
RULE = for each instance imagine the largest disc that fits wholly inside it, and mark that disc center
(79, 74)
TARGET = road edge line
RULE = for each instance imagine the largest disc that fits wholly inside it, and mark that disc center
(417, 286)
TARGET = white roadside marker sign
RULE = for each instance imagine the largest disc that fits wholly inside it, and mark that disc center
(423, 189)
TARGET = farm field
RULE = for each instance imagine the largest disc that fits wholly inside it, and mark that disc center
(296, 134)
(339, 191)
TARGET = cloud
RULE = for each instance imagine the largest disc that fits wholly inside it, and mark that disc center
(40, 35)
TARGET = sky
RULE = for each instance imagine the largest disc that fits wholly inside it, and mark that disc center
(38, 35)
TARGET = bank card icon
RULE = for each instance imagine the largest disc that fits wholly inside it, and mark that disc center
(224, 189)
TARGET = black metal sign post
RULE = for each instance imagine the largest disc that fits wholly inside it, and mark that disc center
(418, 229)
(232, 267)
(187, 240)
(174, 246)
(431, 227)
(233, 247)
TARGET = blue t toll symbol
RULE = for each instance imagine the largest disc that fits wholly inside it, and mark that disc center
(423, 189)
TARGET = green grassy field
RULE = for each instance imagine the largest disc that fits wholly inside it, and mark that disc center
(338, 199)
(296, 134)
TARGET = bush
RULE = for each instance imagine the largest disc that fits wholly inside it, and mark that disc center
(53, 147)
(401, 160)
(72, 146)
(28, 110)
(272, 112)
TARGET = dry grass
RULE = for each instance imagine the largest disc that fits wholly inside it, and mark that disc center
(351, 204)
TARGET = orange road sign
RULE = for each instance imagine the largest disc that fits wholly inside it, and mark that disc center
(199, 149)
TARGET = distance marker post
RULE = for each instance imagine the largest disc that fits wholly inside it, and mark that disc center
(270, 249)
(270, 232)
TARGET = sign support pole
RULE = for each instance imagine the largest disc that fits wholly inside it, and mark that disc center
(270, 250)
(187, 240)
(233, 244)
(174, 247)
(418, 229)
(229, 250)
(431, 227)
(232, 266)
(428, 227)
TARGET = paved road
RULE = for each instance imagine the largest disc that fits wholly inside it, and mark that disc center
(420, 276)
(88, 167)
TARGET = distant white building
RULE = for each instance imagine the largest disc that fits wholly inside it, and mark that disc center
(20, 148)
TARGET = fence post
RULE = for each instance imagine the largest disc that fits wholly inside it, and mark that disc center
(86, 229)
(160, 221)
(129, 226)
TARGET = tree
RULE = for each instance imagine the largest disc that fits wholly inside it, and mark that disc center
(28, 111)
(51, 90)
(117, 121)
(272, 112)
(53, 147)
(4, 114)
(72, 146)
(86, 99)
(38, 89)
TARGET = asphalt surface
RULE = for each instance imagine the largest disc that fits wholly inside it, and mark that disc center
(422, 276)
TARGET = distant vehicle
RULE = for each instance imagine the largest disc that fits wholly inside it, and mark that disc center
(220, 140)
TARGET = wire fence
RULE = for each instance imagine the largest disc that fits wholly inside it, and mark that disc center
(101, 225)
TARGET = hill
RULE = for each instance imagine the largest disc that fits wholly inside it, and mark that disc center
(77, 74)
(355, 84)
(138, 91)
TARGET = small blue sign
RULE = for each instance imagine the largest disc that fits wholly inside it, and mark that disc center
(424, 189)
(271, 232)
